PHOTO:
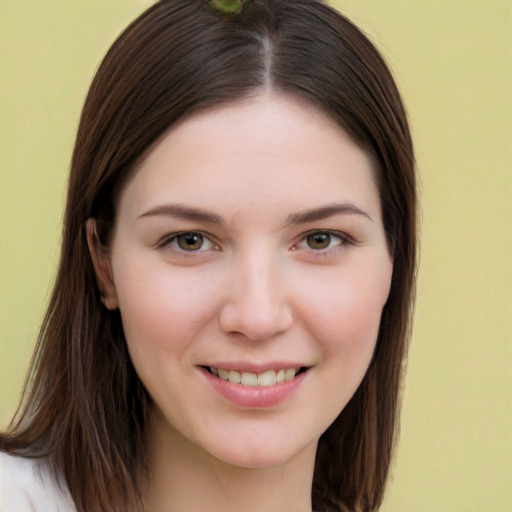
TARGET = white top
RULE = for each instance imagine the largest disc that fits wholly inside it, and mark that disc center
(26, 486)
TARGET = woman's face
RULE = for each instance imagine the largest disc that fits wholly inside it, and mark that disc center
(249, 246)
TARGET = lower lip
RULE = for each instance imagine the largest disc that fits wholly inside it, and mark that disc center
(254, 396)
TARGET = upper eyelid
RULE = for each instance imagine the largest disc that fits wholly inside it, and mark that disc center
(166, 239)
(334, 232)
(346, 240)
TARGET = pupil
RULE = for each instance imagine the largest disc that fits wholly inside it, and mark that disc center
(190, 241)
(319, 240)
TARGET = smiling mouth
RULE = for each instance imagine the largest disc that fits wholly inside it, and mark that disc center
(251, 379)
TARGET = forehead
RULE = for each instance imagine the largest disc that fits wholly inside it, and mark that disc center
(265, 151)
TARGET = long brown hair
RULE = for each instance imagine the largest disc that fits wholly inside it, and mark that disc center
(84, 409)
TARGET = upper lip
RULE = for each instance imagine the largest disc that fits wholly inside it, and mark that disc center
(243, 366)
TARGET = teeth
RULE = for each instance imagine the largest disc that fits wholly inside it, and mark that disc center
(267, 378)
(289, 374)
(234, 377)
(251, 379)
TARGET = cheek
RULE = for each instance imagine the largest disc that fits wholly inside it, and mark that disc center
(162, 307)
(345, 312)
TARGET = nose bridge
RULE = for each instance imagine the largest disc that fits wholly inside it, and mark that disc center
(257, 304)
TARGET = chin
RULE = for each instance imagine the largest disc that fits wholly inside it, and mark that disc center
(260, 455)
(256, 461)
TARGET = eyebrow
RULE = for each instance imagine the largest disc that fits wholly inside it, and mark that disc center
(197, 214)
(324, 212)
(184, 212)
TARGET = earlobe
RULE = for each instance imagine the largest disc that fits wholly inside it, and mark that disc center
(100, 257)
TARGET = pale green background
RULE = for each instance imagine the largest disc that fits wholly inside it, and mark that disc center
(453, 61)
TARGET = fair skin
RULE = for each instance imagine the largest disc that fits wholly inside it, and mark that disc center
(249, 241)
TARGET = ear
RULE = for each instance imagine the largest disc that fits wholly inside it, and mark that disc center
(100, 257)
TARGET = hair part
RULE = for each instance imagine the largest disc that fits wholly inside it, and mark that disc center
(84, 408)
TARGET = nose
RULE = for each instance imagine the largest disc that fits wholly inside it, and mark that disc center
(256, 304)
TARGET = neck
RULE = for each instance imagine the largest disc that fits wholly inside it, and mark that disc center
(183, 477)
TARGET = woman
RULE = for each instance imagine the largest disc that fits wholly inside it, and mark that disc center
(232, 306)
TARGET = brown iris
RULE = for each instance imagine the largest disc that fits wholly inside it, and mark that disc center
(319, 240)
(190, 241)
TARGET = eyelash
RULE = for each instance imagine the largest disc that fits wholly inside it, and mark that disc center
(343, 238)
(173, 241)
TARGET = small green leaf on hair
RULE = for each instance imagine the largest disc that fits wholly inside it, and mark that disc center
(227, 7)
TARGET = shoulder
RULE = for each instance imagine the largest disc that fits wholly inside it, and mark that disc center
(27, 486)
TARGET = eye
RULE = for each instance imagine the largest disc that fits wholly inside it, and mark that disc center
(190, 241)
(322, 240)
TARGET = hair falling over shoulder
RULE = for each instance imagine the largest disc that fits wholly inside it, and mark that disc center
(84, 409)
